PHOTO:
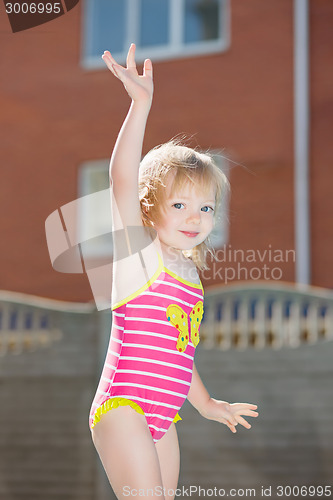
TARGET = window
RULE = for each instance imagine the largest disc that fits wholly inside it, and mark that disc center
(161, 29)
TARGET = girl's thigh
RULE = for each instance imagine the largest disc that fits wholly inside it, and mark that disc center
(168, 454)
(128, 453)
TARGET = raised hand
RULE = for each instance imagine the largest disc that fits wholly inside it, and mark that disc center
(138, 87)
(229, 414)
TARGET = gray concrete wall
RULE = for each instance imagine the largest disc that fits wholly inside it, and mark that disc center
(46, 451)
(290, 443)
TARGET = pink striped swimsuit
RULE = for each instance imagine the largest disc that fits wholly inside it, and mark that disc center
(149, 360)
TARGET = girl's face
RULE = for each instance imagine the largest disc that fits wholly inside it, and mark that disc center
(187, 215)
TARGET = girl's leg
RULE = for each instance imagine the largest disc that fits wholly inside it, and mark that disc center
(128, 453)
(168, 454)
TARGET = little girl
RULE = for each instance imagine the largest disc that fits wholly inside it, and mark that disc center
(167, 204)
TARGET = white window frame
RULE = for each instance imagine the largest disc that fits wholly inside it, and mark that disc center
(175, 49)
(94, 210)
(220, 234)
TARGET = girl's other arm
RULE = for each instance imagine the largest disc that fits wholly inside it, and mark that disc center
(221, 411)
(198, 395)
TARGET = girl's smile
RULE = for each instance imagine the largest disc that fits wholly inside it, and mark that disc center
(189, 234)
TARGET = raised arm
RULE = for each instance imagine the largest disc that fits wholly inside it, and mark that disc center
(126, 156)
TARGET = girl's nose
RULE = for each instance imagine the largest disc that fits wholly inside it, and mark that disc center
(194, 218)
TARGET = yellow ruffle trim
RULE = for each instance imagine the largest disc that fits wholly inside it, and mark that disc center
(111, 403)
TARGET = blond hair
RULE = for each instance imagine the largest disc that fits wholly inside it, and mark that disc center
(189, 166)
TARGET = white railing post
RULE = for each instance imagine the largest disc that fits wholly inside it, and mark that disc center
(277, 326)
(312, 323)
(226, 324)
(259, 323)
(243, 324)
(328, 322)
(294, 324)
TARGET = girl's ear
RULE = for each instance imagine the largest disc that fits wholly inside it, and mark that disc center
(146, 216)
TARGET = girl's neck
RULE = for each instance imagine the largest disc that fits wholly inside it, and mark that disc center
(172, 255)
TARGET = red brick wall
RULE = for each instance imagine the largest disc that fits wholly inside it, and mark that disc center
(56, 115)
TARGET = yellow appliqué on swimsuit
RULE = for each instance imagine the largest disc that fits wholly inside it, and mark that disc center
(179, 319)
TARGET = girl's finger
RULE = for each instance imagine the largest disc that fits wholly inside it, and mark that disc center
(111, 67)
(148, 68)
(244, 423)
(224, 421)
(228, 424)
(116, 69)
(242, 407)
(130, 61)
(248, 413)
(119, 71)
(233, 420)
(109, 57)
(110, 62)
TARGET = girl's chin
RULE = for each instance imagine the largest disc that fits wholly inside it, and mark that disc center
(181, 245)
(176, 247)
(185, 247)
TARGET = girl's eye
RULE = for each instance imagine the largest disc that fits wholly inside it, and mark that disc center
(178, 205)
(207, 209)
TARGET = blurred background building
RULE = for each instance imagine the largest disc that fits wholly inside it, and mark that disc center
(230, 86)
(251, 81)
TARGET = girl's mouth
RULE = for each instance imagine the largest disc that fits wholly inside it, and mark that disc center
(190, 234)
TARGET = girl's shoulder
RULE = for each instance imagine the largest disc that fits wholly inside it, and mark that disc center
(135, 265)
